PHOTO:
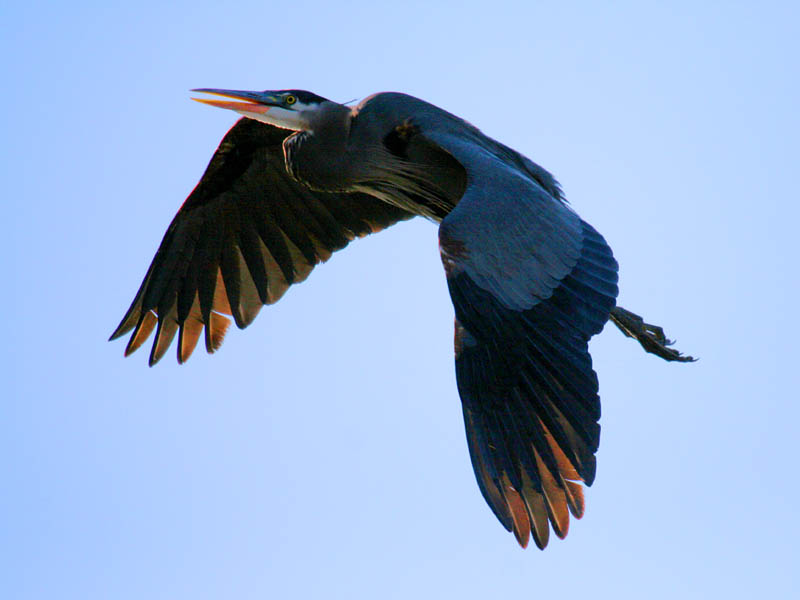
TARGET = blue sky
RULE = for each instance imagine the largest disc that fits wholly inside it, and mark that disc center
(321, 452)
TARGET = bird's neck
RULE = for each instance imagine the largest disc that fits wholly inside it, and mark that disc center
(318, 156)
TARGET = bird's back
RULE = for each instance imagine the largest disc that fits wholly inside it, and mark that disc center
(371, 116)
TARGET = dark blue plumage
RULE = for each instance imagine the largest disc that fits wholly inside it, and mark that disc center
(522, 373)
(530, 281)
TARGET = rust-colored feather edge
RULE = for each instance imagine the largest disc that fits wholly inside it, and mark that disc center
(188, 335)
(144, 328)
(568, 475)
(216, 329)
(519, 514)
(165, 333)
(537, 512)
(555, 499)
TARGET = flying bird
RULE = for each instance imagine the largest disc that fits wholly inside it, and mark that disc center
(300, 177)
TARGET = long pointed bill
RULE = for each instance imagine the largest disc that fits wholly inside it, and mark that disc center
(262, 101)
(237, 106)
(256, 105)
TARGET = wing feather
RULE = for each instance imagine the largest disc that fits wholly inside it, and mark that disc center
(530, 283)
(244, 235)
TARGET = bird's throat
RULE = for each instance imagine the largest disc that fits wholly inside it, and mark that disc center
(279, 117)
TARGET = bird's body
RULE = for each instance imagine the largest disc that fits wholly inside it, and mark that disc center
(530, 281)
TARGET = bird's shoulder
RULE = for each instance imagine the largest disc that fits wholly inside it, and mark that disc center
(480, 154)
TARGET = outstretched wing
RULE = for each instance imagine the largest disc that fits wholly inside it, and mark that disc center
(530, 283)
(244, 235)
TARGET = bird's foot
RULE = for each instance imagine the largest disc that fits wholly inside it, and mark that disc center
(651, 337)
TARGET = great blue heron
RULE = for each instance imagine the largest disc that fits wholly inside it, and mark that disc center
(301, 176)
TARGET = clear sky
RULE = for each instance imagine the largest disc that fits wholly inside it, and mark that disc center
(321, 453)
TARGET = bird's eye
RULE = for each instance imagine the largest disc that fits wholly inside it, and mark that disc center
(290, 100)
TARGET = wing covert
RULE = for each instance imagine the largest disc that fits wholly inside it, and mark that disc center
(244, 235)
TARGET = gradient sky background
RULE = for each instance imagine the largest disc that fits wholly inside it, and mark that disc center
(321, 453)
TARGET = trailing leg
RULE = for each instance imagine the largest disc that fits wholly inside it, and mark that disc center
(651, 337)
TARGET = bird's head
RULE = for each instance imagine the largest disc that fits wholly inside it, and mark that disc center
(288, 109)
